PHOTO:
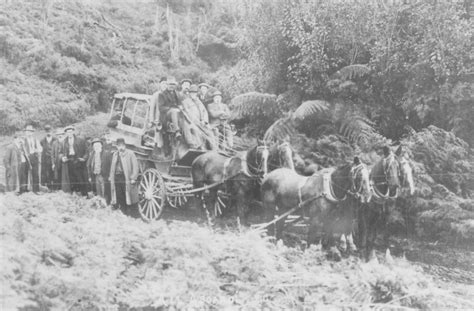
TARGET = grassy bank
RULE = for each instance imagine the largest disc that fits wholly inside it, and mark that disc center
(64, 252)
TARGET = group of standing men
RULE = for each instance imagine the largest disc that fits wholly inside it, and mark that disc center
(205, 116)
(64, 161)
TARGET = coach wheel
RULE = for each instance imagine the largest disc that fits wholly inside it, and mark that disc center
(152, 195)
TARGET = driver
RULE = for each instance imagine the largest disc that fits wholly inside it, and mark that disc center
(169, 104)
(219, 114)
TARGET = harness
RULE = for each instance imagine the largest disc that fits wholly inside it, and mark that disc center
(377, 194)
(327, 188)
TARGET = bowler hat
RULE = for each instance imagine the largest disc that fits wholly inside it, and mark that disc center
(217, 93)
(29, 128)
(204, 84)
(171, 80)
(69, 127)
(120, 141)
(186, 80)
(97, 140)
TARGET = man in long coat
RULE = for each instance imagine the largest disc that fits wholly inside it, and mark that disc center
(196, 122)
(13, 161)
(47, 158)
(95, 167)
(32, 149)
(56, 159)
(123, 176)
(74, 156)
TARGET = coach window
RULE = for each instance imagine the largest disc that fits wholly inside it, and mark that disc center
(128, 110)
(139, 117)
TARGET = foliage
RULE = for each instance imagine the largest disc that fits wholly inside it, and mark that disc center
(400, 64)
(65, 252)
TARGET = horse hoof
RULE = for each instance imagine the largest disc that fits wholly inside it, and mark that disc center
(334, 254)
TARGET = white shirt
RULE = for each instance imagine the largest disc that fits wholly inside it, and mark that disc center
(71, 146)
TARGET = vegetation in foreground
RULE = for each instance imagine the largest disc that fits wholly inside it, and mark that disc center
(66, 253)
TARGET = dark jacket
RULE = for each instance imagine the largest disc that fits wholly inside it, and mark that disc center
(105, 162)
(80, 148)
(168, 99)
(47, 156)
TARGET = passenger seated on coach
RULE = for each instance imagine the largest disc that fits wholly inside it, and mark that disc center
(219, 114)
(196, 128)
(169, 106)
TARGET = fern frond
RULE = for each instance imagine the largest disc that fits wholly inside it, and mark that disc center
(280, 130)
(357, 128)
(310, 108)
(253, 104)
(353, 71)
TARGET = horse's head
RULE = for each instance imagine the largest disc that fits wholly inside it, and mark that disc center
(385, 176)
(361, 182)
(257, 159)
(406, 170)
(285, 155)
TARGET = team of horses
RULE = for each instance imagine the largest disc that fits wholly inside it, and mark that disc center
(333, 200)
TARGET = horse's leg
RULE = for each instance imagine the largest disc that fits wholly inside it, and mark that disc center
(280, 224)
(316, 227)
(385, 222)
(373, 221)
(362, 225)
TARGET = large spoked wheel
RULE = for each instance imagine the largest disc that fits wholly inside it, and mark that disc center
(152, 195)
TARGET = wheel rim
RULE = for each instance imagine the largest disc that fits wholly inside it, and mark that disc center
(152, 195)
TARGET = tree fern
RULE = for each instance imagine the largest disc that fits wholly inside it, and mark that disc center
(356, 128)
(253, 104)
(353, 71)
(280, 130)
(310, 108)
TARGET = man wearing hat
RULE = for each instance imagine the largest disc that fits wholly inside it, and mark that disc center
(32, 149)
(170, 109)
(96, 167)
(74, 156)
(219, 114)
(205, 93)
(185, 84)
(154, 98)
(123, 179)
(57, 163)
(15, 162)
(196, 128)
(47, 158)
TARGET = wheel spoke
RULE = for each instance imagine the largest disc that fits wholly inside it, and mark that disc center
(156, 203)
(148, 210)
(152, 211)
(147, 179)
(143, 207)
(155, 211)
(153, 180)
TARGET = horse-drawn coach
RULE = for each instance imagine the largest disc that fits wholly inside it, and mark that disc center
(165, 160)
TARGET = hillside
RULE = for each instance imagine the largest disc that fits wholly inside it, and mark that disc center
(63, 60)
(64, 252)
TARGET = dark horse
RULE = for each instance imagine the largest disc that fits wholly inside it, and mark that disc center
(317, 196)
(216, 170)
(388, 176)
(241, 175)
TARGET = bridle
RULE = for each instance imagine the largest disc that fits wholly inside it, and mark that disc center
(262, 165)
(356, 191)
(386, 166)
